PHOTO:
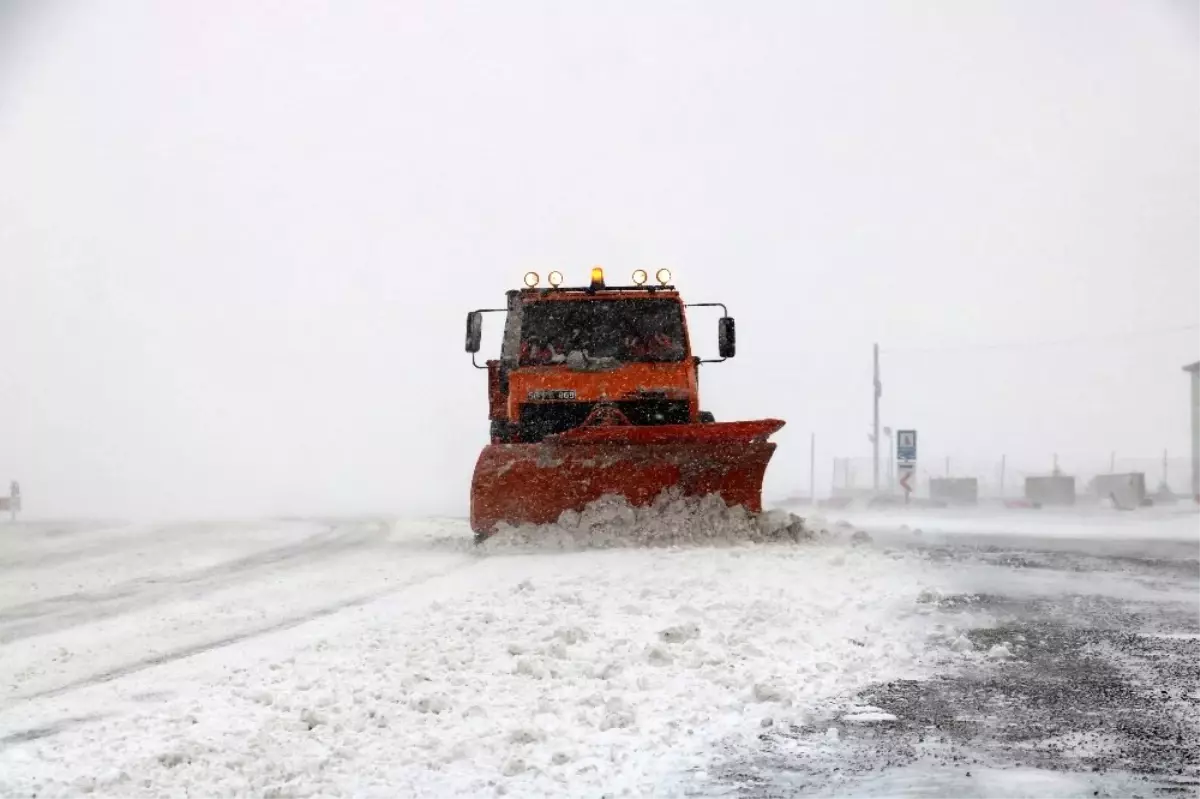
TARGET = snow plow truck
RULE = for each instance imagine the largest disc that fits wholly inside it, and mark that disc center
(595, 393)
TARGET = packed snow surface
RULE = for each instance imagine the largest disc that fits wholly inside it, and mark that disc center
(382, 658)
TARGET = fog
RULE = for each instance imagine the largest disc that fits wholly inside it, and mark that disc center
(238, 240)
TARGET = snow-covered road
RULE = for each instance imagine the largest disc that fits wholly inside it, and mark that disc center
(381, 657)
(965, 654)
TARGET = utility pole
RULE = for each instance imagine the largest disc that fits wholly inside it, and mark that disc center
(1194, 368)
(875, 426)
(812, 469)
(891, 461)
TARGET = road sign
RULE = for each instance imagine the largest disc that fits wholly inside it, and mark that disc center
(906, 446)
(907, 474)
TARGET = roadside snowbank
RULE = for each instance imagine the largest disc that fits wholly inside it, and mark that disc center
(1181, 523)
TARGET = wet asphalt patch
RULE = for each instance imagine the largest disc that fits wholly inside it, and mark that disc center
(1158, 559)
(1082, 695)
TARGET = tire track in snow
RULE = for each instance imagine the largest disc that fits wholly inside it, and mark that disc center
(47, 730)
(113, 539)
(285, 623)
(71, 610)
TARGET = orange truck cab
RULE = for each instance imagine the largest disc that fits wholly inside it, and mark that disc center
(567, 351)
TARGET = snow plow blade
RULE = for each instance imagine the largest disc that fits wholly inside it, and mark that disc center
(535, 483)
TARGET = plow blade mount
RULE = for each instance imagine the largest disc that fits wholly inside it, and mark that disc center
(535, 483)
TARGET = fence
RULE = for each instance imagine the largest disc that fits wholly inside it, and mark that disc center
(1000, 477)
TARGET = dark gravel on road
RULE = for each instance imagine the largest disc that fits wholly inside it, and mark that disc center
(1094, 696)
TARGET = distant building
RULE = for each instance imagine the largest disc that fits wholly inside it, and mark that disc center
(954, 490)
(1194, 368)
(1055, 489)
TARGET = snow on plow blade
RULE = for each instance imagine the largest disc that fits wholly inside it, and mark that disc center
(535, 483)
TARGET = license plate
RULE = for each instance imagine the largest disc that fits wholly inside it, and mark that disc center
(551, 394)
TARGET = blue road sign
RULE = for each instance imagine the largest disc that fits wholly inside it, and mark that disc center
(906, 446)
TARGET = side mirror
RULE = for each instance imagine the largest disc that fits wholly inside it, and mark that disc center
(474, 331)
(726, 337)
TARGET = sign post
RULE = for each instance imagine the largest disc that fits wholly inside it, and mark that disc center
(906, 460)
(12, 503)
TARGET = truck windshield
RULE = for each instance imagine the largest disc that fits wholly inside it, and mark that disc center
(622, 330)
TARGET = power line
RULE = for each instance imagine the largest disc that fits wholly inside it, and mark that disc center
(1066, 342)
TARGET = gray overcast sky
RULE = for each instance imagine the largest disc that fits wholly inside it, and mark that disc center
(237, 239)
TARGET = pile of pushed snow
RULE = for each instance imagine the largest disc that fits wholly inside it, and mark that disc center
(671, 520)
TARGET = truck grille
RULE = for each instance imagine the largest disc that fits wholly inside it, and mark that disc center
(542, 419)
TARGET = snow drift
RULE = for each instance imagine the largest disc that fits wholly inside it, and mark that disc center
(671, 520)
